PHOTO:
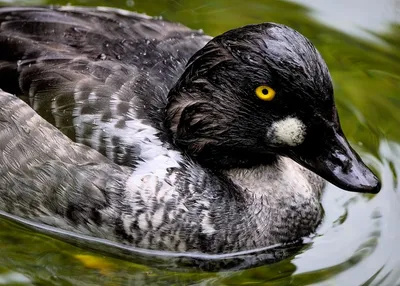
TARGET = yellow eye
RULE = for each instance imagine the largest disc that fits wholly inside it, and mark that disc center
(264, 92)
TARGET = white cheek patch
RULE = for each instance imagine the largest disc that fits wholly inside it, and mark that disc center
(290, 131)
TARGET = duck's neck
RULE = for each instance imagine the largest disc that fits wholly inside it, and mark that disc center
(280, 177)
(278, 203)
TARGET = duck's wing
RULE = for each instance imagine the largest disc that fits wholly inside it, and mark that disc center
(46, 177)
(81, 67)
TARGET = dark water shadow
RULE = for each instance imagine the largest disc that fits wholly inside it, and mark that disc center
(165, 260)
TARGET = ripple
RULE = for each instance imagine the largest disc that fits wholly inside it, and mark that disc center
(9, 278)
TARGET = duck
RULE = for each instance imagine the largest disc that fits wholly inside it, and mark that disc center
(146, 132)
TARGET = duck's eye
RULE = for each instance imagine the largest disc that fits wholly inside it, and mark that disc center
(264, 92)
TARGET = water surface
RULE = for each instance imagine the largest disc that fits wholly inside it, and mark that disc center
(357, 243)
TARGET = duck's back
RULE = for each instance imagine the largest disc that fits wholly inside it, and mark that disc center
(91, 72)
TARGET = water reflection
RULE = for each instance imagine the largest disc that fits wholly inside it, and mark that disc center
(363, 246)
(354, 20)
(185, 261)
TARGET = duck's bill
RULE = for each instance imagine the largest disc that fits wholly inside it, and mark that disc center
(339, 164)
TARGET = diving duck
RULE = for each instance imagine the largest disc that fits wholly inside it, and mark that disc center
(142, 131)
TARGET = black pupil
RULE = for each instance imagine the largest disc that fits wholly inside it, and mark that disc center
(265, 91)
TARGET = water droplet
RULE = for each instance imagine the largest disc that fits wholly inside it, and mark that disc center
(26, 129)
(107, 45)
(250, 59)
(147, 42)
(118, 57)
(144, 53)
(19, 62)
(102, 57)
(130, 3)
(200, 31)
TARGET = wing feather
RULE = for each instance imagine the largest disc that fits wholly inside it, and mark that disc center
(81, 68)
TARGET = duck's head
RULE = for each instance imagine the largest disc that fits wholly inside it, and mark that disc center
(257, 92)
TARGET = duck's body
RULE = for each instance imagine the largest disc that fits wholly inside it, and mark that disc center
(116, 82)
(170, 204)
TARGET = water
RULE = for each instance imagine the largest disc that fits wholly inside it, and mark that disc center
(357, 243)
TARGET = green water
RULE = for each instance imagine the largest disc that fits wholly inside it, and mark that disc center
(358, 241)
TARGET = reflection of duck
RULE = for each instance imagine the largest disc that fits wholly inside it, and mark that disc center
(201, 138)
